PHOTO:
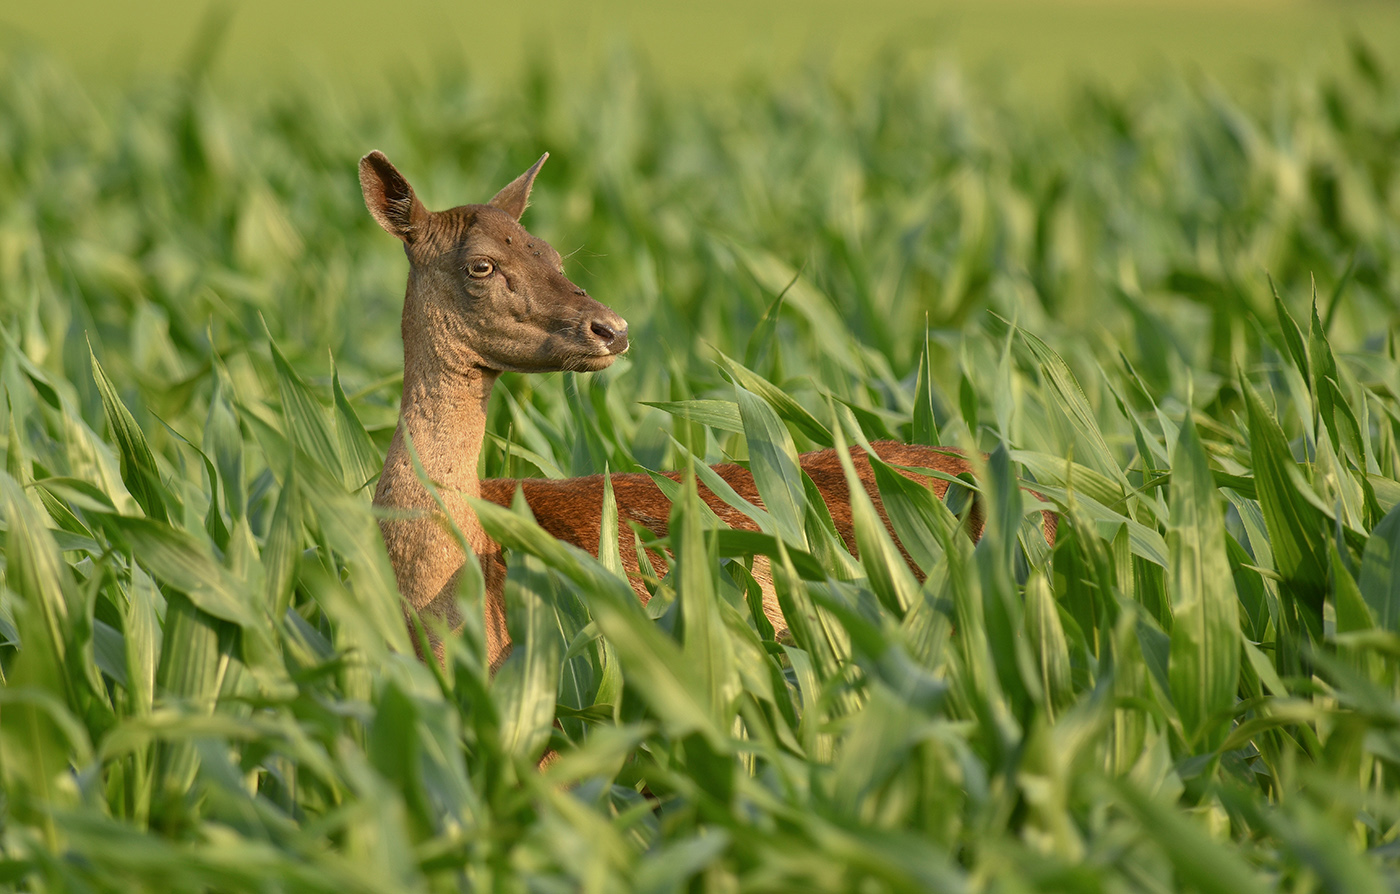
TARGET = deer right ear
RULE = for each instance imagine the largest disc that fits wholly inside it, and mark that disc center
(516, 195)
(390, 199)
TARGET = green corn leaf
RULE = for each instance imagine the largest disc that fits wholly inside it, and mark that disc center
(1060, 471)
(361, 458)
(185, 563)
(745, 380)
(915, 512)
(1205, 640)
(214, 524)
(761, 342)
(1070, 397)
(547, 466)
(282, 547)
(1353, 613)
(672, 490)
(36, 573)
(799, 294)
(16, 463)
(525, 685)
(39, 742)
(139, 471)
(721, 488)
(658, 671)
(889, 574)
(1324, 377)
(1296, 526)
(1048, 646)
(1198, 858)
(142, 640)
(1292, 336)
(826, 543)
(1145, 543)
(1341, 422)
(609, 550)
(1380, 573)
(968, 405)
(706, 647)
(732, 543)
(773, 461)
(719, 414)
(1332, 405)
(350, 530)
(223, 441)
(194, 657)
(41, 381)
(925, 427)
(1002, 607)
(304, 417)
(816, 638)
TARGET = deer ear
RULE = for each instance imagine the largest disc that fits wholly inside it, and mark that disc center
(513, 199)
(390, 199)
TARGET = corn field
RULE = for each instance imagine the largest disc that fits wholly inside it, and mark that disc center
(1169, 311)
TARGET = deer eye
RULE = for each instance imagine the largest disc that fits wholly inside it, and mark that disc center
(480, 268)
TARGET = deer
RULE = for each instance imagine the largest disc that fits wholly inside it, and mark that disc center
(485, 297)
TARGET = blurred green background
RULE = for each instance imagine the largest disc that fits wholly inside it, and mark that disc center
(1042, 45)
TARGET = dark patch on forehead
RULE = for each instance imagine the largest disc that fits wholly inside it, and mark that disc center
(451, 226)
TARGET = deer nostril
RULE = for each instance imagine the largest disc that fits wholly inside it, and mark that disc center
(605, 333)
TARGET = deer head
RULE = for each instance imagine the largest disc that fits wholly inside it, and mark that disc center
(483, 294)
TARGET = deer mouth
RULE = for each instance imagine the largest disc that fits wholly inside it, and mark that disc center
(589, 353)
(604, 358)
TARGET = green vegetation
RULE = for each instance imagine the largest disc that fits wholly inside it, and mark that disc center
(206, 680)
(1043, 45)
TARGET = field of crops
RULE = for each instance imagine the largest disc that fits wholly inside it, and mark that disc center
(1172, 310)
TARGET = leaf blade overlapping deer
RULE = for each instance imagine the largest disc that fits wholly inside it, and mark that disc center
(485, 297)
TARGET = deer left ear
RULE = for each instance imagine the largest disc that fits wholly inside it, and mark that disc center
(513, 199)
(390, 199)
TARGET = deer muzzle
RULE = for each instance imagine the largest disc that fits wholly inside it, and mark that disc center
(609, 332)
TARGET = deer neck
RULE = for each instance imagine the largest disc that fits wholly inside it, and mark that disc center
(443, 416)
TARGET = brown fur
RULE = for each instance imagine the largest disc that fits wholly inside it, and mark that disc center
(485, 297)
(570, 509)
